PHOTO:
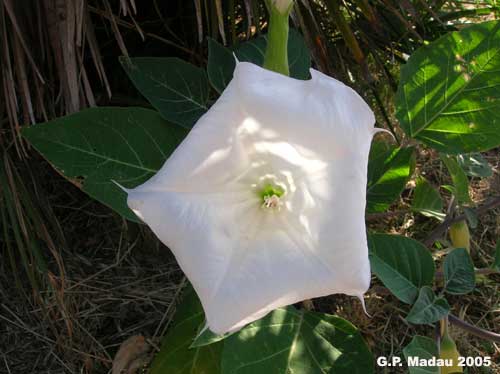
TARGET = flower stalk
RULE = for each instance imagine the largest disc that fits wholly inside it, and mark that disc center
(276, 56)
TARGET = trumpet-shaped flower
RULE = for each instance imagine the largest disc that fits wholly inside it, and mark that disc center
(263, 203)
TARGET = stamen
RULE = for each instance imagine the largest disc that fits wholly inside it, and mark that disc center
(273, 201)
(271, 196)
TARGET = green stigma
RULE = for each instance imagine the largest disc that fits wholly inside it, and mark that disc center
(270, 190)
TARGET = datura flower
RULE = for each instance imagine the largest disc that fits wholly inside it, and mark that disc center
(263, 203)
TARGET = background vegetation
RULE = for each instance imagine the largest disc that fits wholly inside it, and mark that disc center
(76, 278)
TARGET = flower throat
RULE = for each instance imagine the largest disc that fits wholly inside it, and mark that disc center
(271, 195)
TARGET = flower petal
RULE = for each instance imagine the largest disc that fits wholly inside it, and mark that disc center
(310, 137)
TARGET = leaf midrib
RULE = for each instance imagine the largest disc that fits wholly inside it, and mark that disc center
(101, 156)
(395, 271)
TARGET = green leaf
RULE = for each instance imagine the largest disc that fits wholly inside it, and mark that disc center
(423, 348)
(96, 146)
(301, 342)
(176, 88)
(427, 200)
(460, 180)
(402, 264)
(471, 216)
(221, 61)
(448, 95)
(428, 308)
(496, 261)
(475, 165)
(459, 276)
(221, 64)
(389, 169)
(175, 355)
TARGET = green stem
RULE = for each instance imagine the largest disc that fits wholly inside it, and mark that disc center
(276, 57)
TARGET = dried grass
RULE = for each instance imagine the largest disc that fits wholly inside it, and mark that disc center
(114, 287)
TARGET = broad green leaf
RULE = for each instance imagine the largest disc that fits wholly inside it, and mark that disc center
(402, 264)
(175, 355)
(496, 260)
(448, 95)
(389, 169)
(221, 61)
(424, 348)
(475, 165)
(176, 88)
(427, 201)
(299, 342)
(97, 146)
(221, 64)
(459, 276)
(428, 308)
(460, 181)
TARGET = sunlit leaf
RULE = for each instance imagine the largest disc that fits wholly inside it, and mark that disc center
(448, 95)
(301, 342)
(389, 169)
(285, 341)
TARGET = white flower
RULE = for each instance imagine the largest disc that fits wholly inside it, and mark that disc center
(263, 203)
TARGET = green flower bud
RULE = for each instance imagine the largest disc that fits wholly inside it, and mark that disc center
(449, 353)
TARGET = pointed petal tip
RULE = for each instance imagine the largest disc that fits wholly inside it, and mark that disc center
(133, 203)
(236, 58)
(376, 130)
(126, 190)
(315, 74)
(363, 305)
(193, 343)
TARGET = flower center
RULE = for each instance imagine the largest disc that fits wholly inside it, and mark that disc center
(271, 196)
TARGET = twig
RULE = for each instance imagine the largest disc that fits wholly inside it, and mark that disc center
(485, 334)
(6, 363)
(441, 229)
(169, 308)
(50, 341)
